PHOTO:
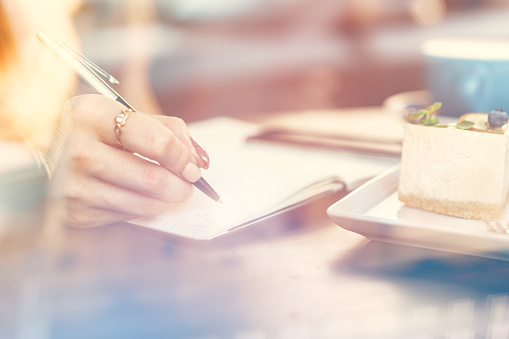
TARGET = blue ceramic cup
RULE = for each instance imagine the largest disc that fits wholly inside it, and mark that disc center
(467, 75)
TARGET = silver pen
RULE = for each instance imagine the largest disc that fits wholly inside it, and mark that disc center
(87, 70)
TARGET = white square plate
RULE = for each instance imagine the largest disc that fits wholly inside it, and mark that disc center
(374, 211)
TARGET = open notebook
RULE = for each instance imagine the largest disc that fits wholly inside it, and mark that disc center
(258, 180)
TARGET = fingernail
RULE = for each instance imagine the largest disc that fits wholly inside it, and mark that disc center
(201, 151)
(188, 143)
(191, 172)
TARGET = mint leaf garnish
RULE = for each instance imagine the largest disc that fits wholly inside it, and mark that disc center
(427, 116)
(432, 121)
(466, 124)
(417, 115)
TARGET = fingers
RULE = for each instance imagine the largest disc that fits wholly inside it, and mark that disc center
(108, 184)
(150, 138)
(179, 128)
(97, 203)
(133, 173)
(82, 216)
(142, 134)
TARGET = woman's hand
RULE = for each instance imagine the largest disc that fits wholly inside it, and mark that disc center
(102, 182)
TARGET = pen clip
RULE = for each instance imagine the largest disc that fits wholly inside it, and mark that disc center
(91, 65)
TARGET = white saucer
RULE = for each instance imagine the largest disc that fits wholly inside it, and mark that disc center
(374, 211)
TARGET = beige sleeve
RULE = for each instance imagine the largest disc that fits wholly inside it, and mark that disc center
(51, 156)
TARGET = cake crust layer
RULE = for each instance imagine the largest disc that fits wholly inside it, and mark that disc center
(464, 209)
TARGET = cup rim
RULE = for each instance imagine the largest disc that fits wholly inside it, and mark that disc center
(461, 48)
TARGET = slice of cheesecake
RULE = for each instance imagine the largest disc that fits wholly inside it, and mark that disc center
(462, 173)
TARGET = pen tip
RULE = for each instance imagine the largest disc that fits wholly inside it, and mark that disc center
(220, 201)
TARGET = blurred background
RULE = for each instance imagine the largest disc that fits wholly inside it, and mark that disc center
(198, 59)
(248, 58)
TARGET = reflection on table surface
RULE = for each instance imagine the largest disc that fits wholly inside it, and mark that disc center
(294, 276)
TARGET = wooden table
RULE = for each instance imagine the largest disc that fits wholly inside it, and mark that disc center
(294, 276)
